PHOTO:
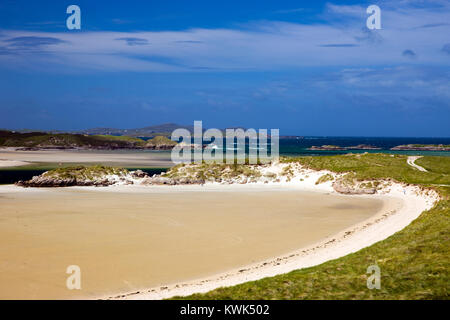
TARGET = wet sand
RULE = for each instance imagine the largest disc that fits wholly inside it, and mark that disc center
(12, 163)
(127, 241)
(125, 158)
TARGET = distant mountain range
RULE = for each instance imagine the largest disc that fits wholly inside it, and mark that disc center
(165, 130)
(151, 131)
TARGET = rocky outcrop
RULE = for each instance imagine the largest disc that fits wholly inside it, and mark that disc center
(49, 182)
(345, 187)
(161, 180)
(81, 176)
(101, 176)
(363, 147)
(159, 147)
(139, 174)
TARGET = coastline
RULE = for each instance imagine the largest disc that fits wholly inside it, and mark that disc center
(389, 220)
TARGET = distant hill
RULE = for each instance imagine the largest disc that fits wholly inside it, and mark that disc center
(43, 140)
(151, 131)
(164, 130)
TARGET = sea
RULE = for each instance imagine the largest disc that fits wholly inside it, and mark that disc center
(298, 146)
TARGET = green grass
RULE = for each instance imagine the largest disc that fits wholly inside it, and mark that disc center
(325, 178)
(431, 145)
(379, 166)
(137, 141)
(83, 172)
(414, 262)
(41, 139)
(438, 165)
(214, 172)
(160, 140)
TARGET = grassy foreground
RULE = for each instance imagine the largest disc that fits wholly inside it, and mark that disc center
(414, 262)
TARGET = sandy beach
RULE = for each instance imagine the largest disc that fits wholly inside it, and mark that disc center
(401, 205)
(128, 239)
(154, 242)
(140, 242)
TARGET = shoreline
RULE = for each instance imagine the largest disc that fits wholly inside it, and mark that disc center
(389, 220)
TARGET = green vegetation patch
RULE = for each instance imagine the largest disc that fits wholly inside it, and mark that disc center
(137, 141)
(161, 140)
(84, 173)
(214, 172)
(325, 178)
(437, 165)
(373, 166)
(66, 140)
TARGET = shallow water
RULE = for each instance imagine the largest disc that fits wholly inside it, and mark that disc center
(128, 241)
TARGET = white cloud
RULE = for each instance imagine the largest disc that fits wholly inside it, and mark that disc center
(265, 45)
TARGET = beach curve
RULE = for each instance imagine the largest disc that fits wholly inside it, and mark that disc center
(388, 221)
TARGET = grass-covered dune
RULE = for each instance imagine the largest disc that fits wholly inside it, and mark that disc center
(98, 175)
(213, 172)
(414, 262)
(84, 172)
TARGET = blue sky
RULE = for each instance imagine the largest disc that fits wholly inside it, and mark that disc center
(305, 67)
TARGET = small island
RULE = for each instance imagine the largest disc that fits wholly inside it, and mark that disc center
(326, 148)
(338, 148)
(422, 147)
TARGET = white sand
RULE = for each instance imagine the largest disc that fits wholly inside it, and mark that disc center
(12, 163)
(412, 162)
(389, 221)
